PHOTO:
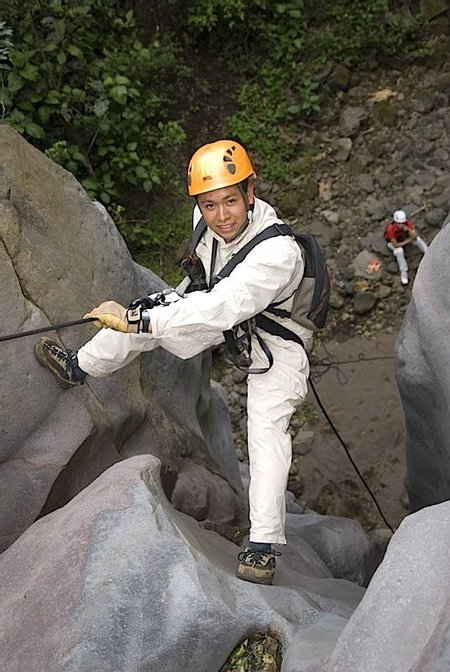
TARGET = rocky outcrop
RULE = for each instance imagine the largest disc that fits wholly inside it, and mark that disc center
(59, 256)
(402, 624)
(378, 145)
(423, 372)
(119, 580)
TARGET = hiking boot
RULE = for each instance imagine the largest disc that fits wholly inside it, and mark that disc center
(62, 363)
(257, 565)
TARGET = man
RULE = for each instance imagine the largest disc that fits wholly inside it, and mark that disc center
(221, 179)
(399, 233)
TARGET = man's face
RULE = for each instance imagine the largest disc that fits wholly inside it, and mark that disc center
(225, 210)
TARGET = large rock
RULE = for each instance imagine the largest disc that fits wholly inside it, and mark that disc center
(423, 372)
(60, 255)
(403, 622)
(119, 580)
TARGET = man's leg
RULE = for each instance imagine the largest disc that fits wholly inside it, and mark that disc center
(110, 350)
(421, 244)
(272, 398)
(399, 255)
(105, 353)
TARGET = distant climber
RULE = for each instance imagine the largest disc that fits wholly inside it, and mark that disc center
(399, 233)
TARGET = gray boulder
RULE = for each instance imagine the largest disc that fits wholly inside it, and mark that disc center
(60, 255)
(119, 580)
(402, 624)
(423, 372)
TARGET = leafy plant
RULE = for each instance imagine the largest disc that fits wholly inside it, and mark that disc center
(274, 50)
(82, 83)
(349, 29)
(83, 87)
(259, 653)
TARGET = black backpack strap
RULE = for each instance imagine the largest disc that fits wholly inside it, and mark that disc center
(197, 235)
(270, 232)
(276, 329)
(192, 265)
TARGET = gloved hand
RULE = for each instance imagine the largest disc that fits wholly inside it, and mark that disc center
(114, 316)
(110, 315)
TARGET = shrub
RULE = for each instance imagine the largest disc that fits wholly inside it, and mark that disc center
(83, 87)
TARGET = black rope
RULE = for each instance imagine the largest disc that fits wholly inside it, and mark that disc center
(354, 465)
(42, 330)
(321, 365)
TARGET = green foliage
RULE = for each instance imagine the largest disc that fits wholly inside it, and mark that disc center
(350, 29)
(308, 413)
(83, 87)
(275, 49)
(205, 15)
(158, 241)
(258, 653)
(80, 81)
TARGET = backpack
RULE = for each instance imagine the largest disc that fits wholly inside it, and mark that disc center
(310, 299)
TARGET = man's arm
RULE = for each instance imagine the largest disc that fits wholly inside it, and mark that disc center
(408, 229)
(257, 281)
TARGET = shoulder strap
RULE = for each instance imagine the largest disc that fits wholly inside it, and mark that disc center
(270, 232)
(276, 329)
(197, 235)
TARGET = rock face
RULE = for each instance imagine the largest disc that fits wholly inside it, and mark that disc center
(111, 576)
(423, 371)
(403, 624)
(119, 580)
(60, 256)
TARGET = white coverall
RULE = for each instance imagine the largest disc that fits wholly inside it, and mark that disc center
(269, 273)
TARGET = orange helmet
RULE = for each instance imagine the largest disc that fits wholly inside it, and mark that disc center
(219, 164)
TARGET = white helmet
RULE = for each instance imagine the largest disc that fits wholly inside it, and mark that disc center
(400, 216)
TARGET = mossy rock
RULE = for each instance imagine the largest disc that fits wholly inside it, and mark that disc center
(289, 204)
(384, 113)
(311, 189)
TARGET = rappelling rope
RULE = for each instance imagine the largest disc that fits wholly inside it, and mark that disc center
(42, 330)
(320, 366)
(347, 452)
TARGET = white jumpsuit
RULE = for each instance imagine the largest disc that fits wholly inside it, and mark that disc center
(269, 273)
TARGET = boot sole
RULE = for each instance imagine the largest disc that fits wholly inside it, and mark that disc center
(262, 577)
